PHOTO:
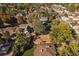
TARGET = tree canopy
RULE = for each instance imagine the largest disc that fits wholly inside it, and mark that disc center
(60, 32)
(39, 28)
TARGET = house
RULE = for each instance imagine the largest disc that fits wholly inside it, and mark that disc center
(45, 49)
(4, 48)
(78, 22)
(43, 38)
(44, 19)
(20, 17)
(75, 19)
(24, 27)
(11, 30)
(13, 37)
(76, 28)
(7, 24)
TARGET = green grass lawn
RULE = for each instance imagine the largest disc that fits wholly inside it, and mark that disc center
(29, 52)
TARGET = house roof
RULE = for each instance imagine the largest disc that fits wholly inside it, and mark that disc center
(19, 14)
(43, 38)
(22, 25)
(13, 30)
(44, 19)
(4, 49)
(10, 29)
(45, 50)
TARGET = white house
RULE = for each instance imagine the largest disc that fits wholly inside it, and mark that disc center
(44, 19)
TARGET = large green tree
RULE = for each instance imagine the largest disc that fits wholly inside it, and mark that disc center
(63, 36)
(22, 42)
(60, 32)
(72, 49)
(19, 43)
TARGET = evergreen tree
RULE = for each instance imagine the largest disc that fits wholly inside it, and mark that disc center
(22, 42)
(39, 28)
(19, 43)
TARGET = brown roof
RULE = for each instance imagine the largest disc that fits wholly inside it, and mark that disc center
(45, 50)
(43, 38)
(13, 29)
(20, 17)
(22, 26)
(10, 29)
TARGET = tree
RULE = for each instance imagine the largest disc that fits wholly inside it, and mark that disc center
(30, 18)
(74, 46)
(39, 28)
(62, 35)
(21, 43)
(71, 7)
(60, 32)
(10, 10)
(6, 18)
(29, 52)
(1, 23)
(76, 7)
(1, 40)
(70, 50)
(6, 35)
(3, 9)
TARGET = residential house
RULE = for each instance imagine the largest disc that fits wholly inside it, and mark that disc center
(43, 38)
(11, 30)
(4, 48)
(44, 19)
(45, 49)
(76, 28)
(26, 28)
(20, 17)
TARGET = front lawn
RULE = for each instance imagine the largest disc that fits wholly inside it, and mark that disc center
(29, 52)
